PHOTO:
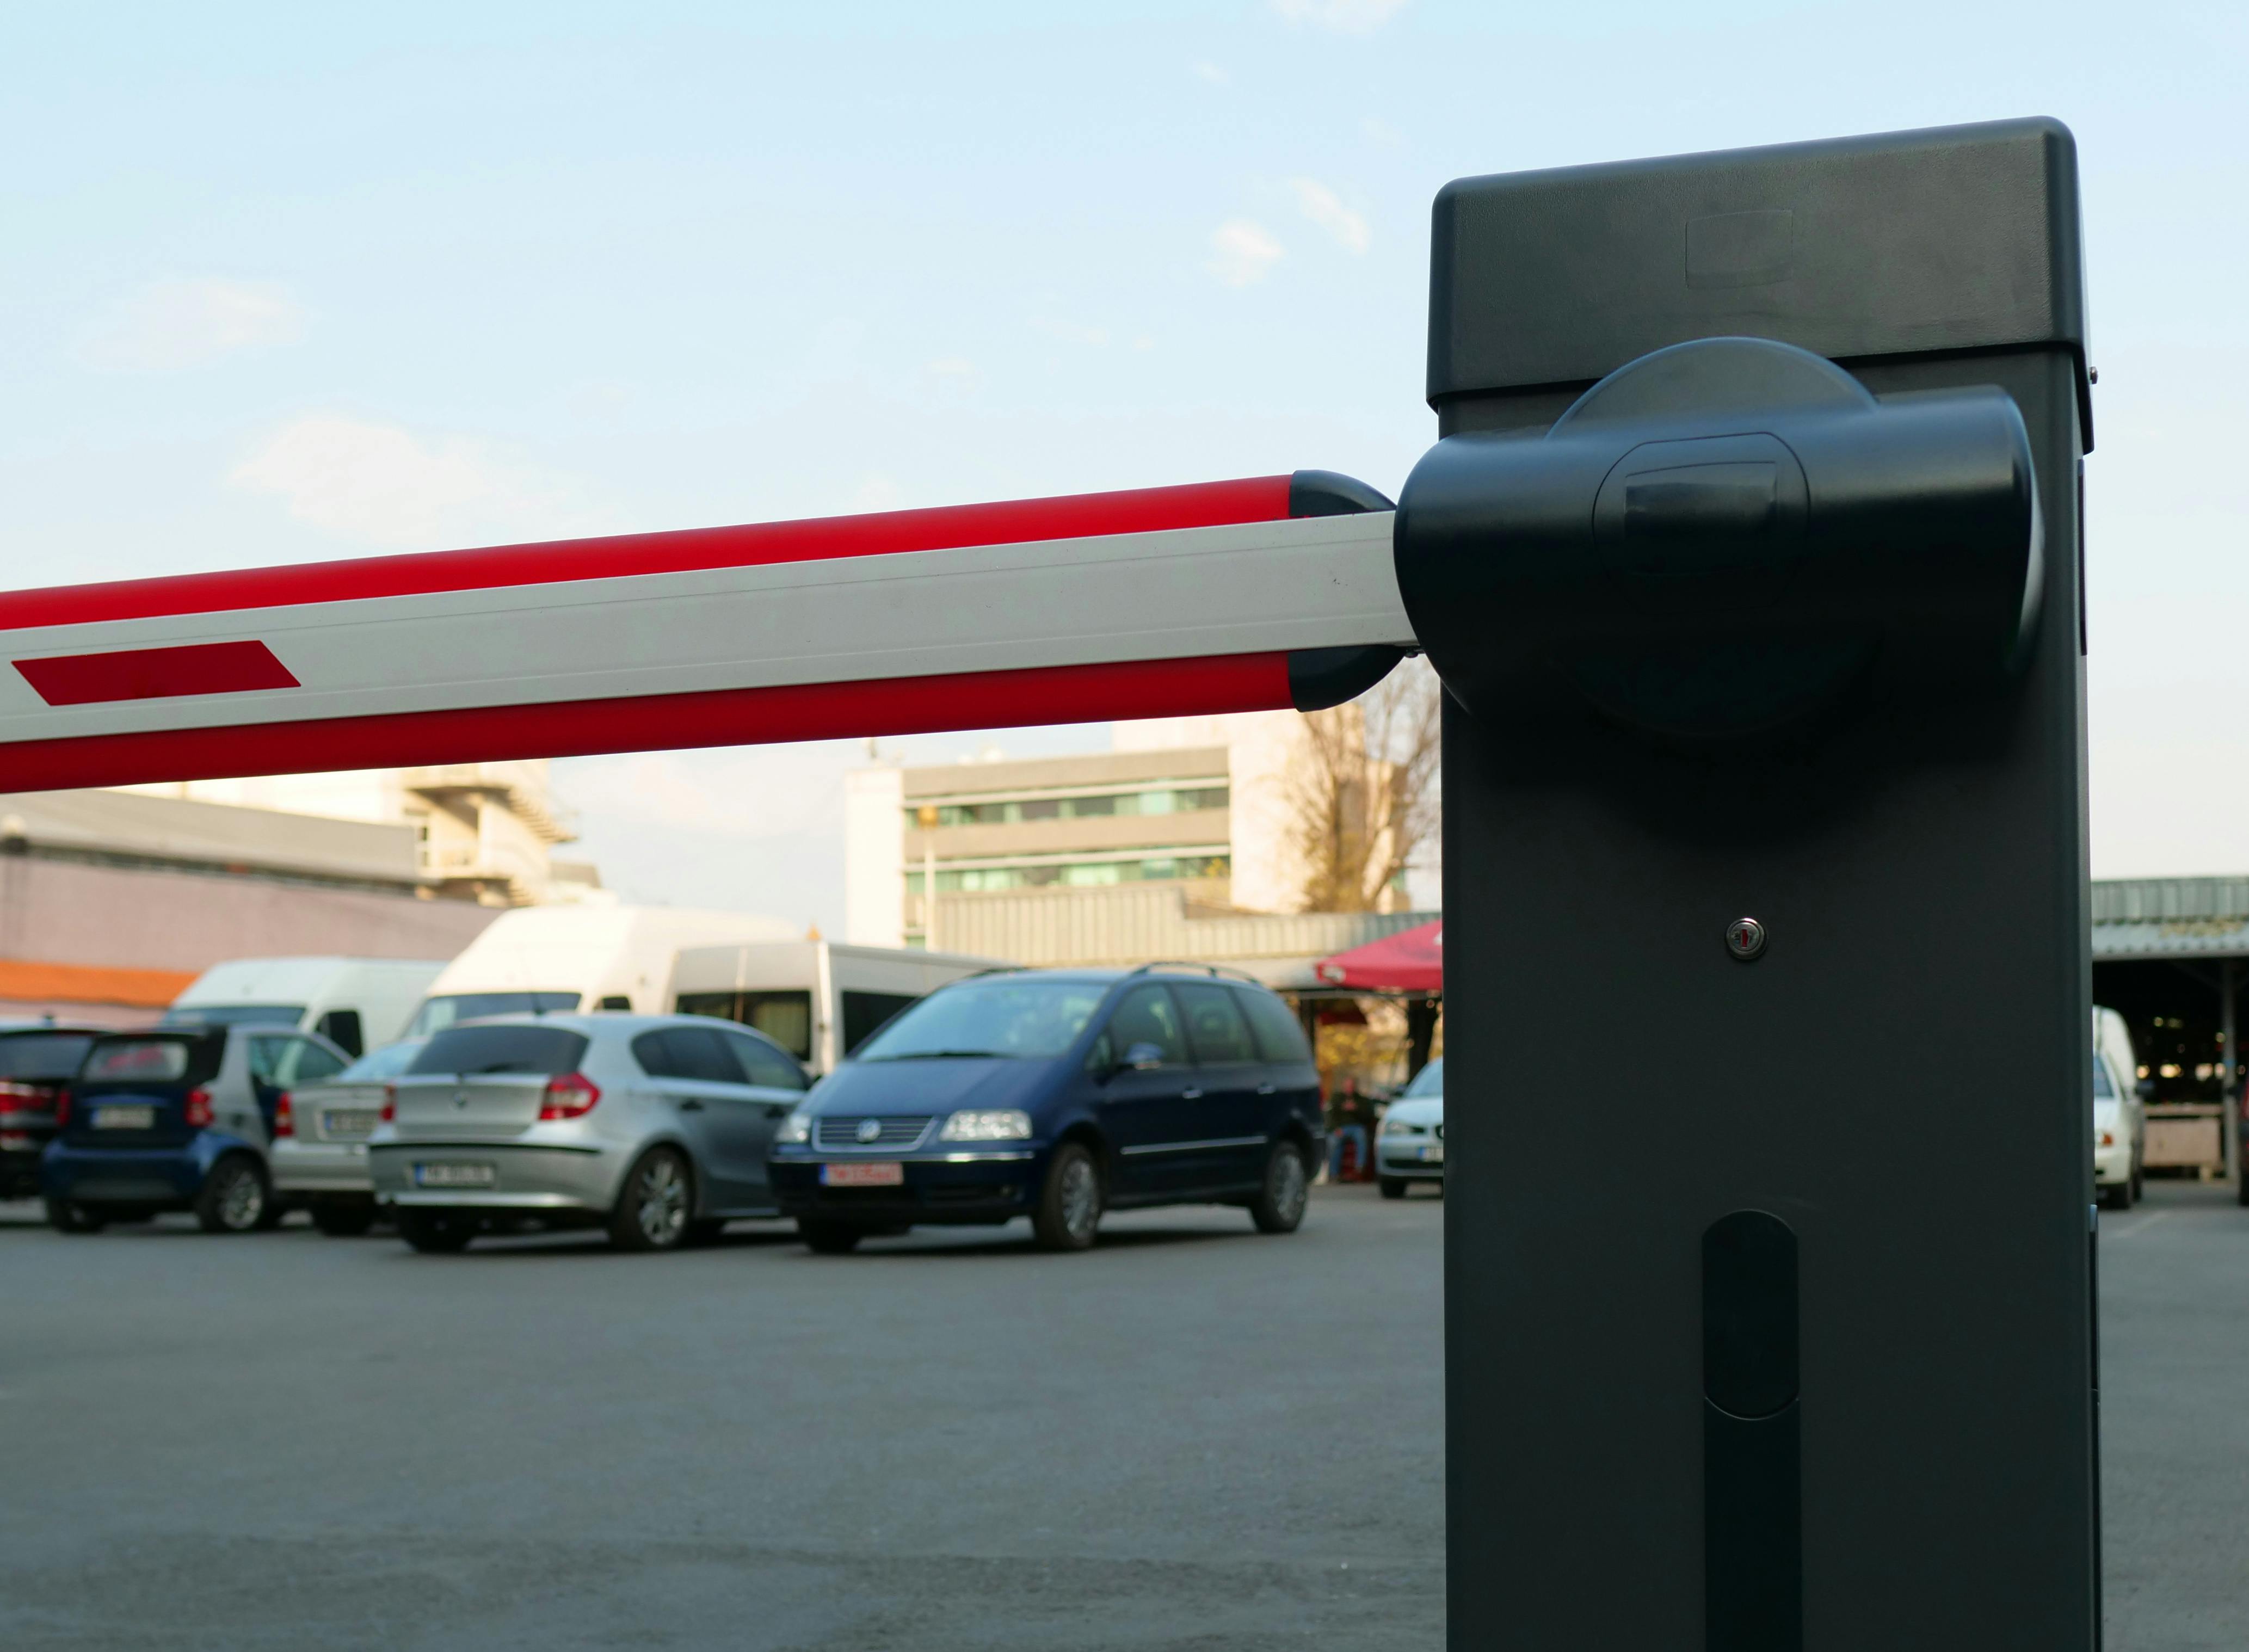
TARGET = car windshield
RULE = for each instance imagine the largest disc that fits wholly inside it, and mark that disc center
(1019, 1018)
(233, 1016)
(43, 1055)
(506, 1048)
(386, 1063)
(1430, 1081)
(437, 1013)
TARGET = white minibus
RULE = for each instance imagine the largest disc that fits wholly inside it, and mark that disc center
(569, 957)
(358, 1003)
(818, 1000)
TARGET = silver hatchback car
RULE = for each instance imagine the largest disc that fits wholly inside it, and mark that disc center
(654, 1127)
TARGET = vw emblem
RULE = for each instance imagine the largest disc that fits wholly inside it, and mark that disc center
(460, 1099)
(869, 1130)
(1745, 938)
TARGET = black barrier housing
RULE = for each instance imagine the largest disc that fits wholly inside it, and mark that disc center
(1769, 1320)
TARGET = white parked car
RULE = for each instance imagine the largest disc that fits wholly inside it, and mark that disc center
(1409, 1145)
(2120, 1120)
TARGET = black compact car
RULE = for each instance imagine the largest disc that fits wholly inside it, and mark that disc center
(1057, 1094)
(37, 1060)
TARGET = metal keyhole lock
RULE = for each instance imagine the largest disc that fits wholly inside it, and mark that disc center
(1745, 939)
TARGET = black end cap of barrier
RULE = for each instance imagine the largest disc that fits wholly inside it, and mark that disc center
(1331, 493)
(1320, 677)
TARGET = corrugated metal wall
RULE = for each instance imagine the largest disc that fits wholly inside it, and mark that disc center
(1129, 926)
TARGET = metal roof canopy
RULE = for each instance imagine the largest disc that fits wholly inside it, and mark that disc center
(2156, 919)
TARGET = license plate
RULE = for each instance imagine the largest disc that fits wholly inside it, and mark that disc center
(1432, 1155)
(883, 1175)
(351, 1121)
(124, 1118)
(455, 1175)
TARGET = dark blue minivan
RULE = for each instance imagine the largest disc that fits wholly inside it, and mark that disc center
(1056, 1094)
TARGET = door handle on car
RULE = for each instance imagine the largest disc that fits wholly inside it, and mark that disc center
(1266, 1090)
(1191, 1095)
(690, 1104)
(778, 1110)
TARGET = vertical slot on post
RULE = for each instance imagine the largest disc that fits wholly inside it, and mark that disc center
(1752, 1498)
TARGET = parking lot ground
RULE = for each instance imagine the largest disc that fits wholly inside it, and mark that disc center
(1194, 1436)
(2175, 1420)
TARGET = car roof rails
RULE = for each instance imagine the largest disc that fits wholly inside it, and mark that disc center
(1216, 971)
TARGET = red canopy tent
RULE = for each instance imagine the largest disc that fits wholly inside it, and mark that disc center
(1412, 960)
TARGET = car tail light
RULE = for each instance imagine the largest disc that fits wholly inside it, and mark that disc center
(284, 1117)
(62, 1105)
(2107, 1137)
(17, 1098)
(199, 1110)
(390, 1104)
(568, 1096)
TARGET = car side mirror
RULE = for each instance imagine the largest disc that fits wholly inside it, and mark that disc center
(1142, 1055)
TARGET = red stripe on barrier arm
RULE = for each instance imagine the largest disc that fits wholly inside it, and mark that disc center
(722, 717)
(155, 673)
(1013, 521)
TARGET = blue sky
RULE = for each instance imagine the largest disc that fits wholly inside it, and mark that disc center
(284, 283)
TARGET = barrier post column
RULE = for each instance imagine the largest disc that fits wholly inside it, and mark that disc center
(1768, 1322)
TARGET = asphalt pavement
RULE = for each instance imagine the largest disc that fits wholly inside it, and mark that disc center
(1192, 1437)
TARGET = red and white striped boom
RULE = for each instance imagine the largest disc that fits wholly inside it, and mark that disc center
(1155, 602)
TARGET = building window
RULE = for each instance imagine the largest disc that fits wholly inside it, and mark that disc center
(1013, 812)
(1089, 874)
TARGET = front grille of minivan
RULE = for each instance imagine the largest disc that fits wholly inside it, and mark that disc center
(895, 1133)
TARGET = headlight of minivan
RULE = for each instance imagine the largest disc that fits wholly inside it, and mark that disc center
(795, 1130)
(995, 1123)
(1402, 1127)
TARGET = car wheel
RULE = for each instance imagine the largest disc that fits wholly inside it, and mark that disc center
(235, 1198)
(1391, 1186)
(1279, 1206)
(68, 1216)
(652, 1212)
(341, 1219)
(1069, 1214)
(436, 1232)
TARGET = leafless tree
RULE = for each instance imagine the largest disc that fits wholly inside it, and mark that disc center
(1362, 792)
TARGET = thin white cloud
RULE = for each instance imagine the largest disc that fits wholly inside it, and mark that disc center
(382, 485)
(1340, 17)
(876, 492)
(178, 324)
(1243, 252)
(1325, 208)
(1204, 69)
(955, 370)
(1093, 337)
(1381, 133)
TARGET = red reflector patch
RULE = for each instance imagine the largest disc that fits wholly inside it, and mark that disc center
(155, 673)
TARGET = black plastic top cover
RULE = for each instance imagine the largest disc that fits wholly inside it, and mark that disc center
(1719, 538)
(1956, 238)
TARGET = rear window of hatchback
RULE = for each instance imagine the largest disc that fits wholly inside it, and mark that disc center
(43, 1056)
(465, 1051)
(150, 1060)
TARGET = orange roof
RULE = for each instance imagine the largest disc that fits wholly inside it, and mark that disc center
(27, 979)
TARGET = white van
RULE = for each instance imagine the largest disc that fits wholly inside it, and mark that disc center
(818, 1000)
(357, 1003)
(571, 958)
(2120, 1116)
